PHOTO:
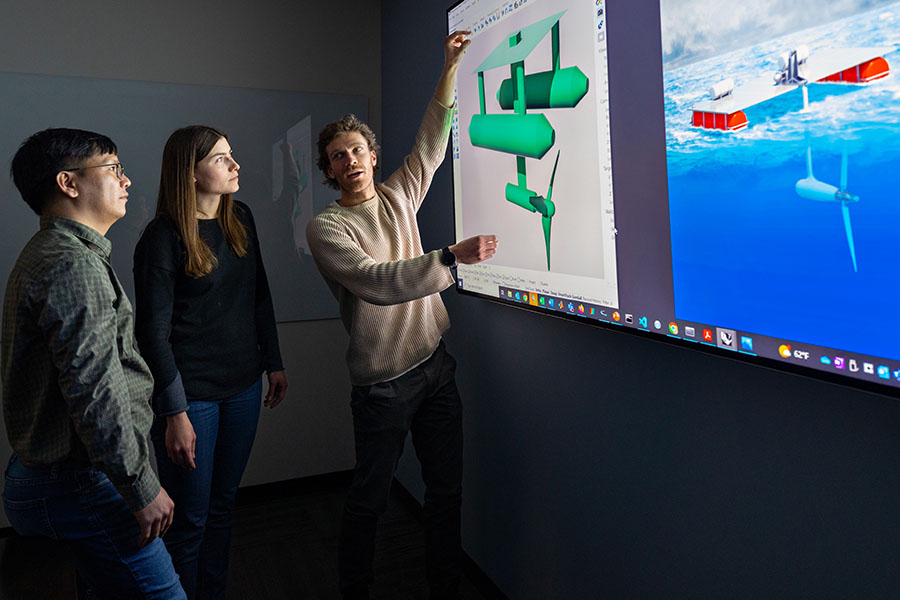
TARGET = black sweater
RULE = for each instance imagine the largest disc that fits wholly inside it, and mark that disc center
(204, 338)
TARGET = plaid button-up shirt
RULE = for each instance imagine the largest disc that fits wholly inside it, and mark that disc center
(75, 389)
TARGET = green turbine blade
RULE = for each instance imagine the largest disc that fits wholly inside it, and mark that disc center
(545, 222)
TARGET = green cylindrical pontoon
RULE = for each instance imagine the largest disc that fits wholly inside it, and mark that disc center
(526, 135)
(549, 89)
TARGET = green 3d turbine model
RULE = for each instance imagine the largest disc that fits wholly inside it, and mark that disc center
(519, 133)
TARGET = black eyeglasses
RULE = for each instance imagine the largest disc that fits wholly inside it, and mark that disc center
(120, 170)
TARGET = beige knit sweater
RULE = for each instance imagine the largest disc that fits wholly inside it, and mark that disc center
(372, 259)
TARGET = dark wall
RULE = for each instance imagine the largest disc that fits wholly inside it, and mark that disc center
(603, 465)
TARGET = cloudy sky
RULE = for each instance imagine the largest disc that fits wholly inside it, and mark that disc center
(696, 29)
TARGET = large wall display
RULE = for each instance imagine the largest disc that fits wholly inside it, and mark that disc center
(772, 236)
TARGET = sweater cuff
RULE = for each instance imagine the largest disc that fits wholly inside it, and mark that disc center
(142, 492)
(441, 104)
(171, 400)
(448, 273)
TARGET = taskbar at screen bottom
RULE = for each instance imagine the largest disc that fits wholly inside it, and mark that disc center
(789, 353)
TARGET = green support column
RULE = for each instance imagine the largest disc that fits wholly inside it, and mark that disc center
(554, 36)
(517, 74)
(520, 168)
(481, 92)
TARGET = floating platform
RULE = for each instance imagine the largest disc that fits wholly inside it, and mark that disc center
(831, 65)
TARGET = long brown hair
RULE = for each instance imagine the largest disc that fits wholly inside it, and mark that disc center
(178, 197)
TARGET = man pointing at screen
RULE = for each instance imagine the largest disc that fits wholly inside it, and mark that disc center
(368, 248)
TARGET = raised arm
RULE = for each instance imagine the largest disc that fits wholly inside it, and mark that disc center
(455, 46)
(413, 179)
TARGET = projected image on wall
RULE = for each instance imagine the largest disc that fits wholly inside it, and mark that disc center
(531, 143)
(291, 171)
(781, 126)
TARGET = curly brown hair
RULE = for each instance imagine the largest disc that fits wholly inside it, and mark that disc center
(347, 124)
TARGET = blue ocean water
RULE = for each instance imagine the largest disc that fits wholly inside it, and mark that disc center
(748, 252)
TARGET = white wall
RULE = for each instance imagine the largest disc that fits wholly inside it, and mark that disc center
(295, 46)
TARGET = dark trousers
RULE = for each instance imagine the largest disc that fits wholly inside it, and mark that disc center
(426, 402)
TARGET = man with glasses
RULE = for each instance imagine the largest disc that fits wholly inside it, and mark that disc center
(76, 393)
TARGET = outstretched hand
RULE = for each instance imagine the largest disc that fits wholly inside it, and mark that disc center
(455, 46)
(475, 249)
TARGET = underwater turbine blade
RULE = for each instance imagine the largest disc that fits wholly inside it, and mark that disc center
(846, 212)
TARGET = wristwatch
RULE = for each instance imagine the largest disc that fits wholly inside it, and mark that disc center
(448, 259)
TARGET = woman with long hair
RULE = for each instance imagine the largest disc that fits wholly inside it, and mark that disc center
(205, 325)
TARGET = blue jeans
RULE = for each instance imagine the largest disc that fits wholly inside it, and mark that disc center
(200, 537)
(82, 508)
(426, 402)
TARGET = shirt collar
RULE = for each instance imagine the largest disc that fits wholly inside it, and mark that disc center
(91, 237)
